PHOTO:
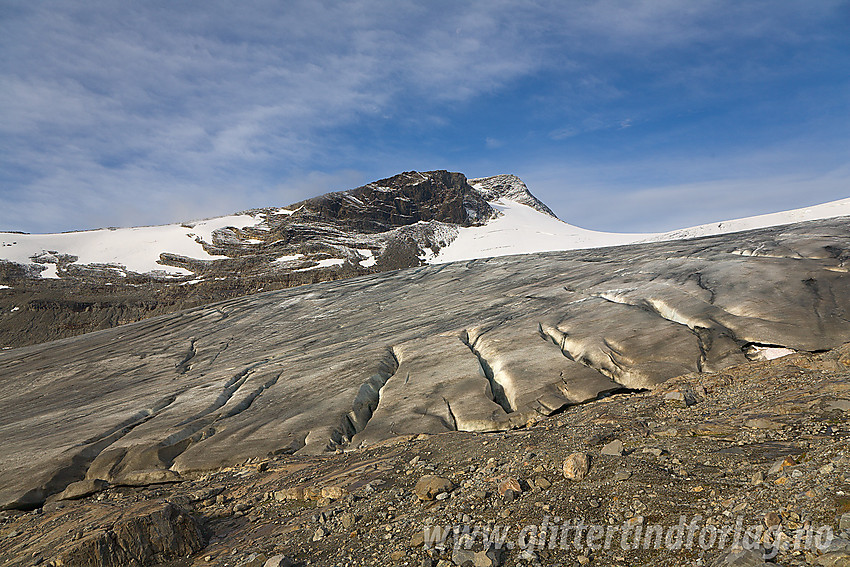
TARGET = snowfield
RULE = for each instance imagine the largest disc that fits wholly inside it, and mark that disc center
(829, 210)
(522, 226)
(137, 249)
(521, 229)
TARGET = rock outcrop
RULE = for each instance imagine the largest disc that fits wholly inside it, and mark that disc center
(142, 534)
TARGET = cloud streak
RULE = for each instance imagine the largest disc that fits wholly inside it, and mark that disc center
(133, 114)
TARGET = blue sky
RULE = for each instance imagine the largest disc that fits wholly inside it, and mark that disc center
(624, 116)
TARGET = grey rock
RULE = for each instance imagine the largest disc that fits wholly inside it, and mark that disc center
(485, 558)
(683, 397)
(83, 488)
(147, 533)
(347, 519)
(741, 558)
(613, 448)
(278, 561)
(841, 405)
(844, 521)
(834, 559)
(837, 544)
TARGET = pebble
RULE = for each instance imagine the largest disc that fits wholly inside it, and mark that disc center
(320, 533)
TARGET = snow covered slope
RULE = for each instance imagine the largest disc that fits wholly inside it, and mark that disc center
(829, 210)
(518, 223)
(522, 228)
(137, 249)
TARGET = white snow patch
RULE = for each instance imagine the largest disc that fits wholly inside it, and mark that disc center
(427, 256)
(285, 259)
(327, 263)
(369, 260)
(767, 353)
(137, 249)
(50, 272)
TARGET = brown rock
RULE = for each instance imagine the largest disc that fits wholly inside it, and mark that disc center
(295, 493)
(713, 429)
(146, 477)
(763, 423)
(509, 483)
(772, 519)
(576, 466)
(429, 486)
(333, 492)
(312, 493)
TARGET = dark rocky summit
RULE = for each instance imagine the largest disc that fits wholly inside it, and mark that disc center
(401, 200)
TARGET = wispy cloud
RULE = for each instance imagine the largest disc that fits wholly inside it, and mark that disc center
(683, 192)
(116, 113)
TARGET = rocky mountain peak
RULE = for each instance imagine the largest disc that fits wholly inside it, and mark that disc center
(401, 200)
(509, 187)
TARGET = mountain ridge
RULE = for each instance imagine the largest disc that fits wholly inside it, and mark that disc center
(55, 286)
